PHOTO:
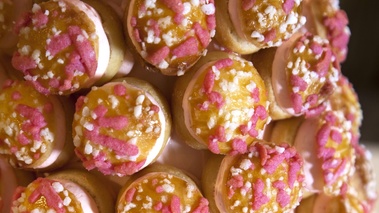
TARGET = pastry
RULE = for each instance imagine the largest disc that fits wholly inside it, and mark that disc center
(121, 127)
(161, 188)
(170, 36)
(326, 142)
(326, 19)
(10, 178)
(268, 178)
(221, 104)
(359, 194)
(65, 191)
(3, 76)
(300, 75)
(34, 129)
(68, 45)
(246, 26)
(11, 11)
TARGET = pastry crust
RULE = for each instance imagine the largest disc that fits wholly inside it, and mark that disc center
(169, 36)
(43, 139)
(180, 192)
(248, 182)
(221, 105)
(248, 26)
(121, 127)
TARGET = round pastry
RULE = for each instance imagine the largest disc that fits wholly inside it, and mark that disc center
(121, 127)
(10, 178)
(300, 75)
(268, 178)
(221, 104)
(161, 188)
(325, 18)
(247, 26)
(34, 129)
(170, 36)
(11, 11)
(67, 45)
(358, 195)
(326, 142)
(65, 191)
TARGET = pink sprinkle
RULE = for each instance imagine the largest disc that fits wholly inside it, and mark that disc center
(288, 6)
(178, 18)
(261, 112)
(216, 98)
(116, 122)
(133, 21)
(270, 35)
(45, 189)
(326, 153)
(159, 189)
(175, 204)
(259, 199)
(248, 4)
(316, 48)
(235, 182)
(120, 147)
(16, 96)
(174, 5)
(158, 206)
(315, 111)
(203, 206)
(130, 194)
(85, 49)
(297, 81)
(187, 48)
(22, 22)
(279, 184)
(224, 63)
(255, 94)
(209, 81)
(40, 19)
(74, 65)
(119, 90)
(23, 140)
(58, 43)
(262, 153)
(155, 27)
(294, 168)
(220, 133)
(213, 146)
(37, 156)
(129, 168)
(23, 63)
(202, 34)
(273, 163)
(79, 103)
(322, 67)
(297, 102)
(100, 111)
(336, 136)
(211, 22)
(331, 118)
(283, 198)
(312, 99)
(331, 163)
(244, 129)
(239, 146)
(136, 35)
(323, 135)
(159, 55)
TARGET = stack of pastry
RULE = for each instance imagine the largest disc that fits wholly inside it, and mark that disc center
(179, 106)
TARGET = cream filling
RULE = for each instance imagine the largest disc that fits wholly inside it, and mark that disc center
(9, 40)
(104, 47)
(8, 184)
(88, 204)
(306, 146)
(59, 134)
(279, 75)
(235, 17)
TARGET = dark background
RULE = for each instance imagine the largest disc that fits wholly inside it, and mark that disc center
(362, 64)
